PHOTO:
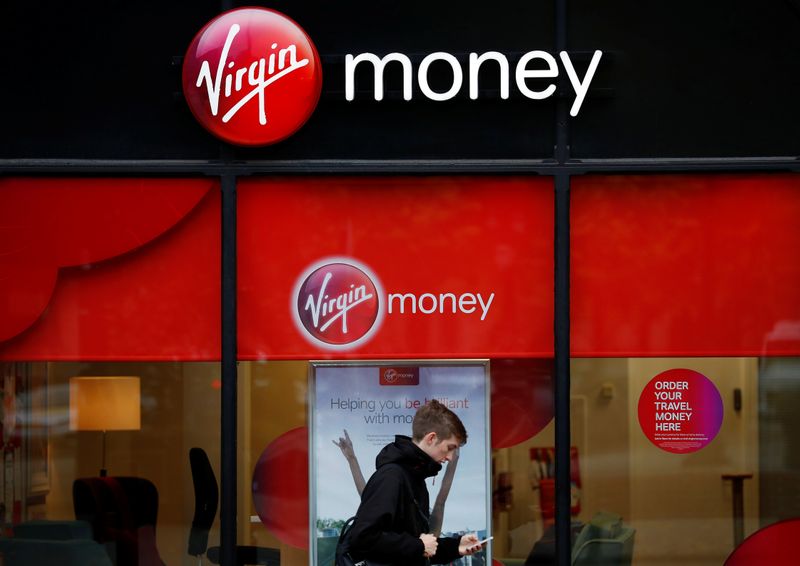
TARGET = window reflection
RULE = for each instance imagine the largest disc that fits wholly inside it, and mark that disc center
(684, 507)
(85, 486)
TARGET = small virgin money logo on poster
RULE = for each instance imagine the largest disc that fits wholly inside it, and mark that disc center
(252, 77)
(338, 304)
(399, 376)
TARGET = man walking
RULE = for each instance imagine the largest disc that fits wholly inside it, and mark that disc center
(392, 524)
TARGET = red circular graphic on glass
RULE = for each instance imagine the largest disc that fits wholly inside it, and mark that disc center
(680, 411)
(252, 77)
(774, 545)
(338, 304)
(280, 487)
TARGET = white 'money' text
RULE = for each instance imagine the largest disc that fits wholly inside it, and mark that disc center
(546, 67)
(430, 303)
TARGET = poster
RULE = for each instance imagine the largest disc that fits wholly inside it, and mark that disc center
(359, 408)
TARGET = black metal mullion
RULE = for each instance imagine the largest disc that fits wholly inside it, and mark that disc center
(562, 372)
(561, 316)
(229, 375)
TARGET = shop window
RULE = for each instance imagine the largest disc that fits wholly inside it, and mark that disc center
(462, 269)
(110, 332)
(684, 340)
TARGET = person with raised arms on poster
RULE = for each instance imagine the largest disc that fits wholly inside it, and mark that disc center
(437, 513)
(393, 521)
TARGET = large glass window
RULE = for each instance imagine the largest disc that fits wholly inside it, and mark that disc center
(685, 306)
(684, 356)
(110, 332)
(463, 270)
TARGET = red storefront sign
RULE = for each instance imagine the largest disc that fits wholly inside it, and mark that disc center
(685, 265)
(109, 269)
(461, 267)
(129, 268)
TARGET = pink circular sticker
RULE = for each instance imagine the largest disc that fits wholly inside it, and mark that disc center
(680, 411)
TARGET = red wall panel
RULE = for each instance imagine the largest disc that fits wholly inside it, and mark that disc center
(701, 265)
(109, 269)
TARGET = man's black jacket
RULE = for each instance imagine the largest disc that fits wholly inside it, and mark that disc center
(395, 510)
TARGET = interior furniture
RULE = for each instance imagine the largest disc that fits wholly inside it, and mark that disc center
(737, 481)
(543, 552)
(122, 512)
(44, 543)
(206, 498)
(604, 540)
(103, 403)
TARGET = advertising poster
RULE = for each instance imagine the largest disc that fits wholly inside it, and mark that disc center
(359, 408)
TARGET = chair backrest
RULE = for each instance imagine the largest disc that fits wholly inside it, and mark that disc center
(123, 512)
(206, 499)
(604, 540)
(120, 502)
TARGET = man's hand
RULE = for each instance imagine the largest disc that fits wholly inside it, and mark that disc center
(468, 545)
(430, 543)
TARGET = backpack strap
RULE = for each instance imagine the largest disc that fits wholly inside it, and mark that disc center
(341, 547)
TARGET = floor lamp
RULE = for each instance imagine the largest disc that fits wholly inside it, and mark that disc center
(104, 403)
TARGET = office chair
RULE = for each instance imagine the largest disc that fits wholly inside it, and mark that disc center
(122, 512)
(604, 540)
(206, 500)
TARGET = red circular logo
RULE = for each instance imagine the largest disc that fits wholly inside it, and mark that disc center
(252, 77)
(338, 304)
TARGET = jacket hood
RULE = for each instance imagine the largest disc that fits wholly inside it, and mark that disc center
(404, 452)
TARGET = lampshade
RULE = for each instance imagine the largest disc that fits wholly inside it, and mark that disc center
(104, 403)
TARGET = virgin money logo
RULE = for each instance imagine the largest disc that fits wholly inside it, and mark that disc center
(252, 77)
(338, 304)
(399, 376)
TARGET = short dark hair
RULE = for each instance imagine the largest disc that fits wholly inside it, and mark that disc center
(435, 417)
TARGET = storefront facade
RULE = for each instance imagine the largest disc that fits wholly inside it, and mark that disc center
(585, 220)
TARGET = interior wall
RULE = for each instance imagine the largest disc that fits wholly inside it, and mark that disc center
(180, 409)
(200, 427)
(604, 456)
(666, 497)
(599, 422)
(517, 527)
(680, 505)
(278, 402)
(779, 443)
